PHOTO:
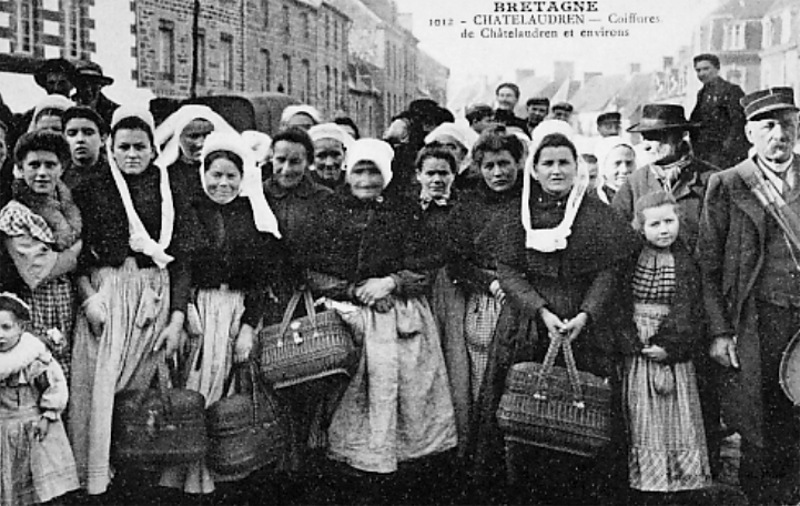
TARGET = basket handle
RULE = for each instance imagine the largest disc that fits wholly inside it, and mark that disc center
(543, 385)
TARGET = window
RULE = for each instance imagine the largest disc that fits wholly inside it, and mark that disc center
(306, 95)
(201, 57)
(265, 12)
(327, 30)
(27, 16)
(74, 24)
(287, 29)
(306, 25)
(166, 50)
(266, 70)
(287, 73)
(226, 60)
(335, 88)
(327, 87)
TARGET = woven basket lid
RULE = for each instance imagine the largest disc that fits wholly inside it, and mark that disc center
(790, 369)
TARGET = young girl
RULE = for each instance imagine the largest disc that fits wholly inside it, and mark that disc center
(667, 442)
(36, 463)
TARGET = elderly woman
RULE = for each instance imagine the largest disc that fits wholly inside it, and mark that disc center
(616, 160)
(361, 251)
(124, 286)
(330, 145)
(182, 136)
(558, 261)
(227, 270)
(48, 113)
(300, 116)
(41, 227)
(470, 310)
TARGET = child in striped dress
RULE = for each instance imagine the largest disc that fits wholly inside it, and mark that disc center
(667, 451)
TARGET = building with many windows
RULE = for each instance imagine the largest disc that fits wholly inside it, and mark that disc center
(780, 42)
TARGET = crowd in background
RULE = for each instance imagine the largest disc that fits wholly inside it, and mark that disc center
(455, 249)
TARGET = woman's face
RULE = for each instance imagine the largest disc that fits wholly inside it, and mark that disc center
(192, 138)
(49, 122)
(41, 171)
(500, 170)
(10, 330)
(556, 170)
(222, 180)
(619, 164)
(435, 177)
(365, 180)
(132, 150)
(328, 158)
(289, 163)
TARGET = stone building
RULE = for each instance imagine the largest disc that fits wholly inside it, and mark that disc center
(780, 54)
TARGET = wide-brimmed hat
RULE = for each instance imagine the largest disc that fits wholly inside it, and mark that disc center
(54, 65)
(662, 117)
(90, 71)
(764, 101)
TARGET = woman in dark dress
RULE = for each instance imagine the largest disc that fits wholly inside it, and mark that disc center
(558, 263)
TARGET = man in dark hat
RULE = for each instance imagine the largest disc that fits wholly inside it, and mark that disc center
(57, 76)
(538, 109)
(751, 289)
(562, 111)
(719, 139)
(507, 96)
(91, 81)
(609, 123)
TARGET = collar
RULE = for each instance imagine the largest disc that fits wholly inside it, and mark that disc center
(305, 189)
(773, 171)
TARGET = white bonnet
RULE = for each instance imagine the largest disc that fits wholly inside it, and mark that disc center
(291, 110)
(330, 131)
(373, 150)
(463, 134)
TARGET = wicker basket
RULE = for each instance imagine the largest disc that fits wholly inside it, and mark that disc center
(558, 408)
(308, 348)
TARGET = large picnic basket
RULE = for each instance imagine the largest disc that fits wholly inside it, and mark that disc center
(308, 348)
(559, 408)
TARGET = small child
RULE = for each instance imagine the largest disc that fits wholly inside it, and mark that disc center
(667, 450)
(36, 462)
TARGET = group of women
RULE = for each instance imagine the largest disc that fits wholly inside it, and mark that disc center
(188, 251)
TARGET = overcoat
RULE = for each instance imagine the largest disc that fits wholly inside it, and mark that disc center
(730, 249)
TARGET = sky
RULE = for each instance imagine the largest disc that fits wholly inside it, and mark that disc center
(646, 43)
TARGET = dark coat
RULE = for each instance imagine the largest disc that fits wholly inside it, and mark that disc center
(731, 249)
(690, 196)
(720, 139)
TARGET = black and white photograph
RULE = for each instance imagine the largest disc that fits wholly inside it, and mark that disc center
(399, 252)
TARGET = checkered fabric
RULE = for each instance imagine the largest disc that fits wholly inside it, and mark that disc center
(654, 277)
(16, 219)
(482, 313)
(53, 307)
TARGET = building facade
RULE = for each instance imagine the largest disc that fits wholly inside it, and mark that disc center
(780, 54)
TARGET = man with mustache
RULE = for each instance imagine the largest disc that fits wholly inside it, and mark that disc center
(751, 290)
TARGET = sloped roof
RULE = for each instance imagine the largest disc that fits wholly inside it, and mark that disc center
(597, 93)
(638, 91)
(780, 4)
(744, 9)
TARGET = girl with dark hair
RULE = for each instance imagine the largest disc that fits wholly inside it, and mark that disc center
(41, 228)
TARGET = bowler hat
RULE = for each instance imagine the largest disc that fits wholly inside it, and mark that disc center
(609, 116)
(54, 65)
(764, 101)
(90, 71)
(662, 117)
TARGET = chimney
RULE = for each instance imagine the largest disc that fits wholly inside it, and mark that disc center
(590, 75)
(669, 61)
(636, 68)
(522, 74)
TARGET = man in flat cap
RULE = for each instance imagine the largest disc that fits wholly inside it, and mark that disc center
(89, 85)
(609, 124)
(720, 138)
(750, 264)
(538, 108)
(562, 111)
(479, 117)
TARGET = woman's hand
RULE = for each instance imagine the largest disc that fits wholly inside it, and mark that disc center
(375, 289)
(497, 292)
(574, 327)
(170, 337)
(244, 344)
(723, 351)
(94, 308)
(42, 428)
(655, 353)
(555, 327)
